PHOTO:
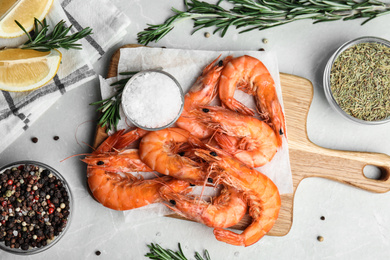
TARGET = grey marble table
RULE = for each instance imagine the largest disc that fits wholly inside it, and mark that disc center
(356, 224)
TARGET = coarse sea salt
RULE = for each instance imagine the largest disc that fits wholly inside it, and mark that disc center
(152, 100)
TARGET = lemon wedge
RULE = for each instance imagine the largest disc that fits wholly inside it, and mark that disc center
(25, 70)
(24, 11)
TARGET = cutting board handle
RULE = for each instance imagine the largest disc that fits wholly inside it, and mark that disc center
(310, 160)
(346, 167)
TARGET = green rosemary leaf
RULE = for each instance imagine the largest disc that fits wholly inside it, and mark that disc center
(128, 73)
(159, 253)
(41, 40)
(226, 28)
(102, 122)
(118, 117)
(357, 5)
(180, 251)
(198, 256)
(24, 30)
(263, 14)
(40, 36)
(110, 107)
(207, 255)
(36, 26)
(97, 102)
(326, 20)
(120, 82)
(57, 30)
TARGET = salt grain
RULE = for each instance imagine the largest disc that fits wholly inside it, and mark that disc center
(152, 100)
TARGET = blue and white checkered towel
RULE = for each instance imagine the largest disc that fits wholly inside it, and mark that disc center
(18, 110)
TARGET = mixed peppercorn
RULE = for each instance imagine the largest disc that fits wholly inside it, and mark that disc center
(34, 207)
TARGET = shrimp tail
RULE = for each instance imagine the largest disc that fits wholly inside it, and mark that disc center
(229, 237)
(120, 140)
(109, 143)
(202, 92)
(237, 106)
(211, 66)
(253, 233)
(228, 143)
(130, 137)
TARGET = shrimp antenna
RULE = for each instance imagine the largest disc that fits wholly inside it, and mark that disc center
(74, 155)
(90, 146)
(204, 185)
(155, 174)
(77, 129)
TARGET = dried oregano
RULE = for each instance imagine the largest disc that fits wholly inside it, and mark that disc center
(360, 81)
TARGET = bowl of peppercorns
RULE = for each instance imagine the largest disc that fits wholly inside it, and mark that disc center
(35, 207)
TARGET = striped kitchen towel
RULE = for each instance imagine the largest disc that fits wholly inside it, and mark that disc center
(18, 110)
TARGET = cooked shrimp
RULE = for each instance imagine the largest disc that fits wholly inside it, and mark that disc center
(110, 179)
(124, 191)
(122, 161)
(130, 137)
(225, 210)
(252, 77)
(120, 140)
(159, 150)
(109, 158)
(248, 139)
(201, 93)
(261, 193)
(109, 143)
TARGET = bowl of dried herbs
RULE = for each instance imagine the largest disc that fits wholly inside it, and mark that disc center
(357, 80)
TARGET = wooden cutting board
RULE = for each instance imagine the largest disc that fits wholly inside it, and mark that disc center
(306, 158)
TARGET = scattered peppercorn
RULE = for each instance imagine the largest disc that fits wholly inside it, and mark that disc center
(56, 138)
(320, 238)
(207, 34)
(97, 252)
(34, 140)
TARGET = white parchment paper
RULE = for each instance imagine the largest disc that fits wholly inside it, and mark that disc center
(186, 66)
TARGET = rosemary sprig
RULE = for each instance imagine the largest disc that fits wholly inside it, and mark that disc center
(109, 108)
(41, 40)
(159, 253)
(263, 14)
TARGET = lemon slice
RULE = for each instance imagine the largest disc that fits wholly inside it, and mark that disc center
(24, 11)
(25, 70)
